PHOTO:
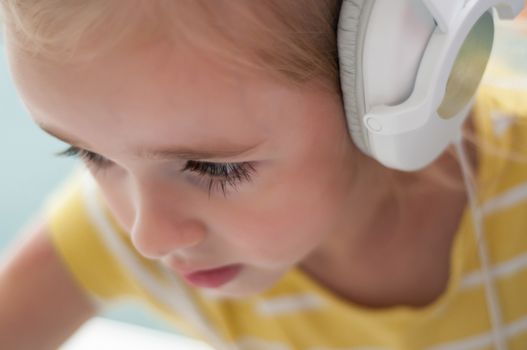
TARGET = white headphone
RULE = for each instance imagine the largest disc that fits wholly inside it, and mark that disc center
(409, 70)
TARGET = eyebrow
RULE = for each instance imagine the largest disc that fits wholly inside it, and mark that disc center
(185, 153)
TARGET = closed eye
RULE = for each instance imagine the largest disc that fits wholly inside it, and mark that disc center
(87, 156)
(220, 176)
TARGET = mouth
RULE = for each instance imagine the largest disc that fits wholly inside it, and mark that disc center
(213, 278)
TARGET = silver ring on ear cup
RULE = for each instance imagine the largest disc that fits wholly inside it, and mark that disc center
(353, 19)
(468, 67)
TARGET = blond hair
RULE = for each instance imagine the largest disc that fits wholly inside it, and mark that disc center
(295, 39)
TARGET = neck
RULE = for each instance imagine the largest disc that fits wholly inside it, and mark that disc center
(384, 242)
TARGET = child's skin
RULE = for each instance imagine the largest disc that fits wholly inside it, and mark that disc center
(313, 199)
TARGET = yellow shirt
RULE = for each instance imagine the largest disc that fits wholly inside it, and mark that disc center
(298, 313)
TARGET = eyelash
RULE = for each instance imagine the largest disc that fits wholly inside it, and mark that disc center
(221, 175)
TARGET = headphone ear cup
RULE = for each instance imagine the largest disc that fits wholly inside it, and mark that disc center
(353, 18)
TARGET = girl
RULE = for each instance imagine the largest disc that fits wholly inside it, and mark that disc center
(223, 188)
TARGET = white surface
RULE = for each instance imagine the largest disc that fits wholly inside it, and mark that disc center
(104, 334)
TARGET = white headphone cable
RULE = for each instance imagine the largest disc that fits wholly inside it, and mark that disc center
(477, 217)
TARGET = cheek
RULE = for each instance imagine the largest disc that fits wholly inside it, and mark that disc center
(117, 198)
(285, 233)
(290, 219)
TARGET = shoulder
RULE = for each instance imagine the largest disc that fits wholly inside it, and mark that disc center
(500, 115)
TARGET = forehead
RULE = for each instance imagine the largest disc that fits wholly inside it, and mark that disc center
(158, 83)
(160, 93)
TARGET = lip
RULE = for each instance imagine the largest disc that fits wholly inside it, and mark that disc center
(213, 278)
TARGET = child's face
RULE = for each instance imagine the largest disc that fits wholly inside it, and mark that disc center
(138, 108)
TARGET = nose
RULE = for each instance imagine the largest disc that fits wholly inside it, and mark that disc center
(163, 223)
